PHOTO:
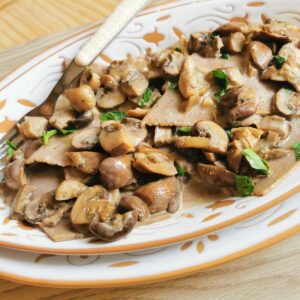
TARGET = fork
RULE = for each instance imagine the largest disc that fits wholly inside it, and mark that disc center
(118, 19)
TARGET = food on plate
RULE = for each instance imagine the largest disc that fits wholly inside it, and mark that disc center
(127, 142)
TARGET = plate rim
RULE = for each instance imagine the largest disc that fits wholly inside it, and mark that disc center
(141, 245)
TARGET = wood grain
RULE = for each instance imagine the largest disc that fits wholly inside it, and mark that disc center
(272, 273)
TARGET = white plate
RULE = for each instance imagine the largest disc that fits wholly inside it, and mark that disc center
(157, 28)
(157, 264)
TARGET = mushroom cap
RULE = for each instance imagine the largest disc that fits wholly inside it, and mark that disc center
(235, 42)
(131, 202)
(69, 189)
(276, 124)
(14, 174)
(287, 102)
(83, 120)
(210, 137)
(161, 194)
(230, 27)
(118, 227)
(116, 171)
(110, 99)
(88, 77)
(261, 54)
(86, 138)
(137, 132)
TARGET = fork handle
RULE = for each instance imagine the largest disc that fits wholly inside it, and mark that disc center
(122, 14)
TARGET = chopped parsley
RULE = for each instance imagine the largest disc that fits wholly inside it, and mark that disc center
(180, 171)
(296, 146)
(47, 135)
(11, 147)
(185, 129)
(172, 86)
(146, 97)
(225, 55)
(67, 130)
(178, 49)
(113, 115)
(244, 185)
(278, 61)
(255, 161)
(221, 79)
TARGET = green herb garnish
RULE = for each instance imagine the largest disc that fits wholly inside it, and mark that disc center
(278, 61)
(229, 134)
(221, 79)
(244, 185)
(178, 49)
(172, 86)
(67, 130)
(255, 161)
(146, 97)
(11, 147)
(296, 146)
(225, 55)
(185, 129)
(47, 135)
(180, 171)
(113, 115)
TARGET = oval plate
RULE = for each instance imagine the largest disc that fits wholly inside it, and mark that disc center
(155, 28)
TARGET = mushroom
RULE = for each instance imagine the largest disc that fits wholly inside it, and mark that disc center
(230, 27)
(210, 137)
(216, 176)
(206, 44)
(14, 174)
(56, 216)
(164, 194)
(86, 139)
(27, 149)
(163, 136)
(115, 138)
(260, 53)
(248, 136)
(235, 42)
(282, 28)
(83, 120)
(239, 103)
(61, 118)
(266, 36)
(116, 171)
(75, 174)
(277, 124)
(131, 202)
(133, 126)
(270, 154)
(233, 74)
(91, 203)
(138, 113)
(287, 102)
(85, 161)
(152, 160)
(234, 155)
(88, 77)
(33, 127)
(134, 83)
(110, 99)
(69, 189)
(109, 81)
(22, 198)
(173, 63)
(116, 228)
(82, 98)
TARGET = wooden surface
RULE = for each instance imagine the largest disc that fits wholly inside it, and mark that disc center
(272, 273)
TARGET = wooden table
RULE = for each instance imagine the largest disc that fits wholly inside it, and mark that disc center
(273, 273)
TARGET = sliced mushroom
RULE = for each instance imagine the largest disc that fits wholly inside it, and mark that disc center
(33, 127)
(173, 63)
(239, 103)
(82, 98)
(152, 160)
(27, 149)
(109, 81)
(91, 203)
(210, 137)
(61, 118)
(163, 136)
(131, 202)
(230, 27)
(118, 227)
(261, 54)
(270, 154)
(85, 161)
(206, 44)
(90, 78)
(14, 174)
(116, 171)
(277, 124)
(83, 120)
(75, 174)
(134, 83)
(57, 215)
(110, 99)
(247, 136)
(234, 156)
(21, 200)
(86, 139)
(235, 42)
(138, 113)
(133, 126)
(287, 102)
(164, 194)
(266, 36)
(216, 176)
(115, 139)
(69, 189)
